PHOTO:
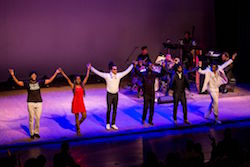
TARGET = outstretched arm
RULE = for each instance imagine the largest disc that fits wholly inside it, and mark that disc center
(124, 73)
(227, 63)
(67, 78)
(87, 75)
(12, 73)
(48, 81)
(101, 74)
(172, 82)
(200, 71)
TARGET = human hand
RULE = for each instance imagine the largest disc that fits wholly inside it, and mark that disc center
(234, 56)
(88, 66)
(11, 71)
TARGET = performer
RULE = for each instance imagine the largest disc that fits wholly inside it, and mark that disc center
(178, 84)
(148, 77)
(78, 106)
(112, 83)
(34, 98)
(137, 79)
(214, 77)
(144, 56)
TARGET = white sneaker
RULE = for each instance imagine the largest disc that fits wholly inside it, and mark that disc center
(108, 126)
(114, 127)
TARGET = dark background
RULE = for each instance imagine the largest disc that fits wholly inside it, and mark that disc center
(233, 33)
(44, 34)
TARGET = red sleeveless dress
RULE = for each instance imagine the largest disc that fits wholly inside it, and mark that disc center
(77, 103)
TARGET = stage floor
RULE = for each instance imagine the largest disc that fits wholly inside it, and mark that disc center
(58, 123)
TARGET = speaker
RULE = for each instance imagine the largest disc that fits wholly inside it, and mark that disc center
(165, 99)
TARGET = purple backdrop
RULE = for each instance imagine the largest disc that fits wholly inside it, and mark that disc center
(45, 34)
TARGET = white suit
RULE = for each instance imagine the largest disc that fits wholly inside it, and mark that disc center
(212, 83)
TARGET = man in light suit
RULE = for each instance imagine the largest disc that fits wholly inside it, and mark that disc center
(214, 77)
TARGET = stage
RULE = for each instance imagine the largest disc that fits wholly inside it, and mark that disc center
(58, 123)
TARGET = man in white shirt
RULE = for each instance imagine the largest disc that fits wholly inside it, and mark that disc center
(112, 84)
(214, 78)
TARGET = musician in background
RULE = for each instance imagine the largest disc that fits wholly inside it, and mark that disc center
(187, 40)
(228, 71)
(144, 56)
(137, 80)
(187, 43)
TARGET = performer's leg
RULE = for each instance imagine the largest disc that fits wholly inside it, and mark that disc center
(145, 107)
(109, 102)
(115, 103)
(151, 112)
(215, 96)
(210, 108)
(31, 118)
(184, 105)
(77, 124)
(84, 115)
(38, 112)
(176, 101)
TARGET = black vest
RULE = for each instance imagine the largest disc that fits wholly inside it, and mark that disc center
(179, 84)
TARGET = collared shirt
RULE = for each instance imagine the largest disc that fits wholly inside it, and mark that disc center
(112, 80)
(179, 75)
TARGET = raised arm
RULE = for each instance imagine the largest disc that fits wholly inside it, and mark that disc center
(227, 63)
(200, 71)
(67, 78)
(101, 74)
(12, 73)
(122, 74)
(48, 81)
(87, 75)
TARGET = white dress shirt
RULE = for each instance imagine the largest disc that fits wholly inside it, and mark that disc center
(112, 80)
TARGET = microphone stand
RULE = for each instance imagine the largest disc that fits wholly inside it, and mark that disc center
(131, 54)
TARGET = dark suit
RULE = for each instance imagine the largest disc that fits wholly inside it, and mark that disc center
(148, 78)
(178, 85)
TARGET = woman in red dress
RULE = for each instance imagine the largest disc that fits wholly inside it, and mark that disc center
(78, 106)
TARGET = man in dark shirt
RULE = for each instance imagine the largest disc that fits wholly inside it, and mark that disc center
(178, 84)
(144, 56)
(148, 78)
(228, 71)
(34, 99)
(186, 56)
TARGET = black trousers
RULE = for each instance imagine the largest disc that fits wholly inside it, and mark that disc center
(112, 100)
(180, 96)
(149, 102)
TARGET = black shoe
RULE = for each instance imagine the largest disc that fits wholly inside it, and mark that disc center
(32, 137)
(37, 136)
(151, 123)
(143, 122)
(187, 122)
